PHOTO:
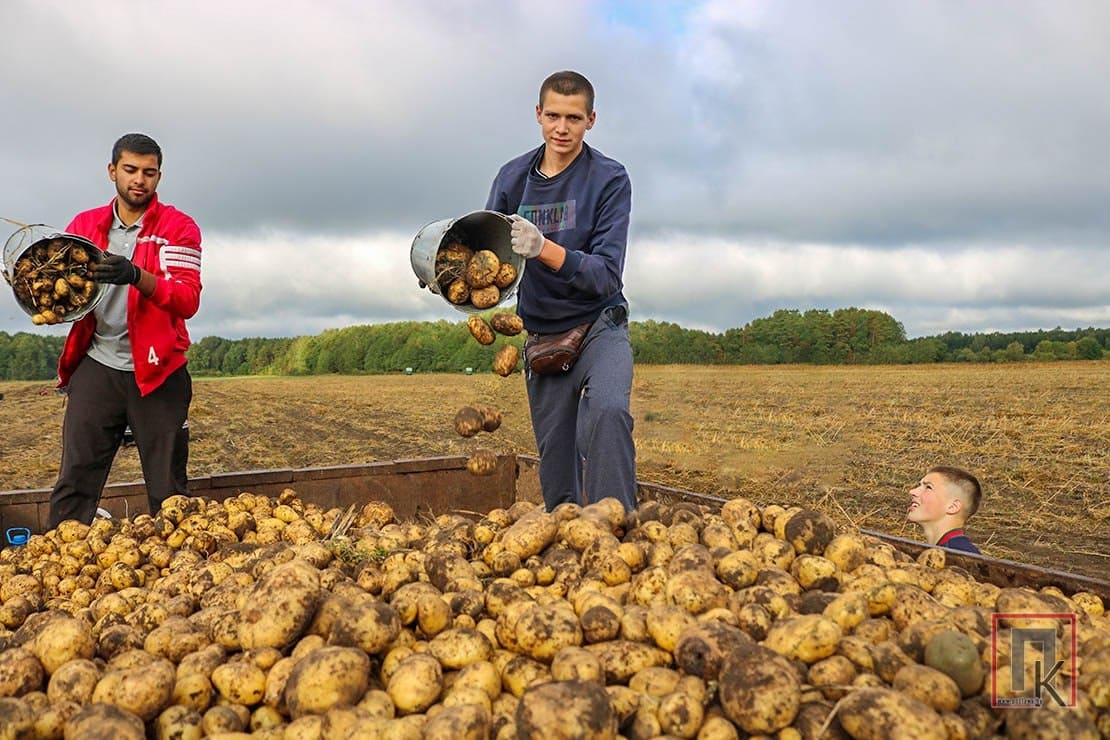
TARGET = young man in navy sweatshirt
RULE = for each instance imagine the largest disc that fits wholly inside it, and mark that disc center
(570, 208)
(942, 503)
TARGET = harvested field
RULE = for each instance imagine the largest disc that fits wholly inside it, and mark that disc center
(850, 441)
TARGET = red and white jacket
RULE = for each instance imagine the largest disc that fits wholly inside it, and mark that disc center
(168, 246)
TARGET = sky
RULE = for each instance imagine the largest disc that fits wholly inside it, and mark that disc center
(946, 162)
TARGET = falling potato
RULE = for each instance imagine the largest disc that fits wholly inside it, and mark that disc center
(480, 329)
(468, 421)
(505, 323)
(482, 462)
(504, 364)
(491, 418)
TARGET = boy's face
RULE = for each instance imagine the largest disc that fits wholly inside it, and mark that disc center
(564, 122)
(929, 501)
(136, 177)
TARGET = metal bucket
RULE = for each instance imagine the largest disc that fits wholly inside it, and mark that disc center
(478, 230)
(22, 243)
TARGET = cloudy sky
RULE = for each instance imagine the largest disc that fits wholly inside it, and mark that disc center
(946, 162)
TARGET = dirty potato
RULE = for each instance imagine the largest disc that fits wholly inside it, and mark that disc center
(506, 274)
(491, 418)
(480, 329)
(504, 364)
(451, 262)
(482, 462)
(487, 297)
(468, 421)
(506, 323)
(482, 268)
(458, 292)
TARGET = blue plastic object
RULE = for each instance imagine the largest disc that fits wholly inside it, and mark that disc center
(18, 536)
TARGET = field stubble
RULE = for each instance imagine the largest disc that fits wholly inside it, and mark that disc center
(850, 441)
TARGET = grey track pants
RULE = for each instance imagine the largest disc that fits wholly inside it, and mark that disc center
(101, 403)
(582, 421)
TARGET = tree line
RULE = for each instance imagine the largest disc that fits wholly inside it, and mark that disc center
(848, 336)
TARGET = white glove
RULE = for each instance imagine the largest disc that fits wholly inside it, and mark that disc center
(526, 239)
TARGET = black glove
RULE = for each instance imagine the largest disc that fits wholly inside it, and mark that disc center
(116, 270)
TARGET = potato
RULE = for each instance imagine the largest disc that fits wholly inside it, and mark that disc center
(680, 714)
(491, 418)
(622, 659)
(325, 678)
(529, 535)
(63, 639)
(17, 718)
(20, 672)
(457, 648)
(468, 421)
(542, 631)
(702, 647)
(506, 274)
(482, 462)
(954, 654)
(482, 268)
(487, 297)
(368, 625)
(575, 663)
(179, 723)
(458, 292)
(506, 323)
(758, 690)
(100, 721)
(666, 623)
(810, 532)
(416, 683)
(50, 722)
(462, 721)
(451, 261)
(73, 681)
(504, 363)
(480, 329)
(808, 638)
(240, 682)
(280, 606)
(877, 714)
(144, 688)
(566, 710)
(929, 686)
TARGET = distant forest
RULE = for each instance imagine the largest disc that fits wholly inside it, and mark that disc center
(848, 336)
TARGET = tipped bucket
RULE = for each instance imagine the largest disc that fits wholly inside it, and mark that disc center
(478, 230)
(41, 266)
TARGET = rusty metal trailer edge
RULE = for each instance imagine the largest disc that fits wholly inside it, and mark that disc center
(435, 485)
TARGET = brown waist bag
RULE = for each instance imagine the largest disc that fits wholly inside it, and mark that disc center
(552, 354)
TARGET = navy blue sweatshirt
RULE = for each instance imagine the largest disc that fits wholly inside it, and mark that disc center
(585, 209)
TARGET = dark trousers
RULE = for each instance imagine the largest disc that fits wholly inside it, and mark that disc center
(101, 403)
(582, 422)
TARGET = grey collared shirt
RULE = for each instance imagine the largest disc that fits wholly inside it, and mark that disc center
(111, 345)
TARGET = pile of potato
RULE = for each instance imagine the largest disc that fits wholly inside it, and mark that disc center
(220, 619)
(50, 279)
(472, 277)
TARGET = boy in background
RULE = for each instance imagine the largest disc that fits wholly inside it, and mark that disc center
(942, 503)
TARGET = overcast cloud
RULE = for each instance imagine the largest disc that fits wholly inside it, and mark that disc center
(947, 162)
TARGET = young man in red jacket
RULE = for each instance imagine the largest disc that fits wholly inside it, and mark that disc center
(123, 364)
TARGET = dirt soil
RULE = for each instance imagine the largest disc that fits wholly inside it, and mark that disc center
(850, 441)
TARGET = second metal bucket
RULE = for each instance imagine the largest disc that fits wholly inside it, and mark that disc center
(478, 230)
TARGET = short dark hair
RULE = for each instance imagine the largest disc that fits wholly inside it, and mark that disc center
(967, 483)
(569, 83)
(136, 144)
